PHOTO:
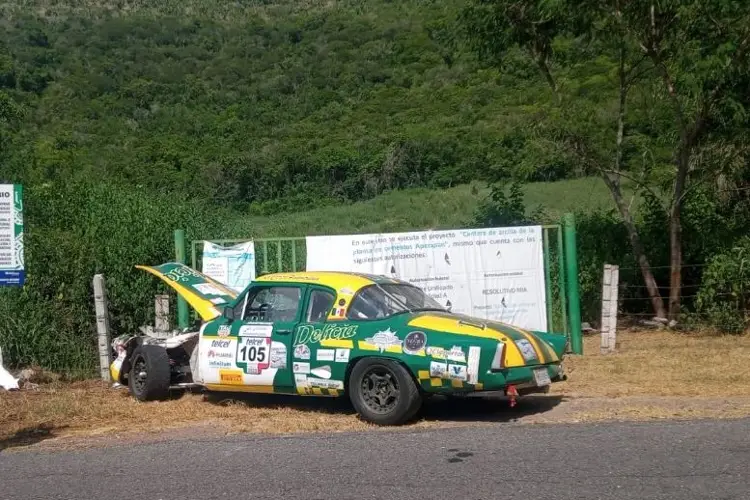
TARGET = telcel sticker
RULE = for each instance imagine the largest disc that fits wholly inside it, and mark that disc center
(254, 354)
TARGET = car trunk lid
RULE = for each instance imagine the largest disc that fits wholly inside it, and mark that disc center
(523, 348)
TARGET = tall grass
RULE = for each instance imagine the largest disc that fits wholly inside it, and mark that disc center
(75, 230)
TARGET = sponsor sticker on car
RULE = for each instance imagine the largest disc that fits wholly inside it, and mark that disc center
(230, 377)
(414, 343)
(253, 354)
(302, 352)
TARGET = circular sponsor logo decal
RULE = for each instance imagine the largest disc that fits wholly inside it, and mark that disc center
(414, 342)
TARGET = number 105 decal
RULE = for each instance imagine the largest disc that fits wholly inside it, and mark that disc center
(253, 354)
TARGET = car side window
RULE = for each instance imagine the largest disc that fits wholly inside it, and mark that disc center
(273, 303)
(369, 303)
(321, 302)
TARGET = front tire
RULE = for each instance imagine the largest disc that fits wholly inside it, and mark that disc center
(383, 392)
(149, 373)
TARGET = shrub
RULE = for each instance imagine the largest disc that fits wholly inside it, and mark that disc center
(724, 295)
(73, 231)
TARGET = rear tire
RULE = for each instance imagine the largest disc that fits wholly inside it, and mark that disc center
(149, 376)
(383, 392)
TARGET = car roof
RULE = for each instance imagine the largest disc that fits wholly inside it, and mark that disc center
(335, 279)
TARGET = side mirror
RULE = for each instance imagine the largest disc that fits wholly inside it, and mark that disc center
(228, 314)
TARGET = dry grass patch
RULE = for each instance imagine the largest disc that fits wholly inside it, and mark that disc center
(92, 408)
(632, 384)
(660, 363)
(631, 410)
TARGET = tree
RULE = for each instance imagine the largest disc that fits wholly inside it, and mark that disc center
(495, 26)
(690, 54)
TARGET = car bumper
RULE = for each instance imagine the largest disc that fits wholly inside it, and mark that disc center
(522, 377)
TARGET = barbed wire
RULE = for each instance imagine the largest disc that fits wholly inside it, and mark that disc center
(723, 294)
(686, 266)
(663, 287)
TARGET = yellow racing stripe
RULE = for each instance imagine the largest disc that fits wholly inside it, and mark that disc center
(513, 355)
(345, 344)
(366, 346)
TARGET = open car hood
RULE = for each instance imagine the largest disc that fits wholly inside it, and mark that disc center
(206, 295)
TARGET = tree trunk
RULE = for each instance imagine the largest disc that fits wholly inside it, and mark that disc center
(543, 65)
(635, 242)
(614, 188)
(682, 161)
(675, 262)
(675, 228)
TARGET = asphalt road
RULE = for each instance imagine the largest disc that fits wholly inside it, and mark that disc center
(685, 461)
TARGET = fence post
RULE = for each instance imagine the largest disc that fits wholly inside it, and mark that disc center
(610, 285)
(571, 280)
(561, 281)
(102, 326)
(183, 314)
(161, 309)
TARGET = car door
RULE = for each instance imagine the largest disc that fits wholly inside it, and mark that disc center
(254, 349)
(318, 366)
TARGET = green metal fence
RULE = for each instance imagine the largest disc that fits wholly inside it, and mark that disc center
(274, 255)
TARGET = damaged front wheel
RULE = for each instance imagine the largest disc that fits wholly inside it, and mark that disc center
(149, 376)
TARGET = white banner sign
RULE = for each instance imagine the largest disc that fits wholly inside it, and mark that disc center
(495, 273)
(233, 266)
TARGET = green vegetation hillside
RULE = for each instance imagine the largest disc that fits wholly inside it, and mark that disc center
(298, 102)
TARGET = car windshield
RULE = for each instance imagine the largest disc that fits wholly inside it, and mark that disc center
(380, 301)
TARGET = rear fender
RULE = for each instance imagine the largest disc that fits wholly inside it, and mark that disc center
(557, 341)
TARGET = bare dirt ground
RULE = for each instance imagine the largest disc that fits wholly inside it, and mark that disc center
(654, 375)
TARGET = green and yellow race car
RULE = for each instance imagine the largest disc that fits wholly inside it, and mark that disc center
(384, 343)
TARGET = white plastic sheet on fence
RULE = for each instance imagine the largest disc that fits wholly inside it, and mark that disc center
(494, 273)
(7, 381)
(232, 265)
